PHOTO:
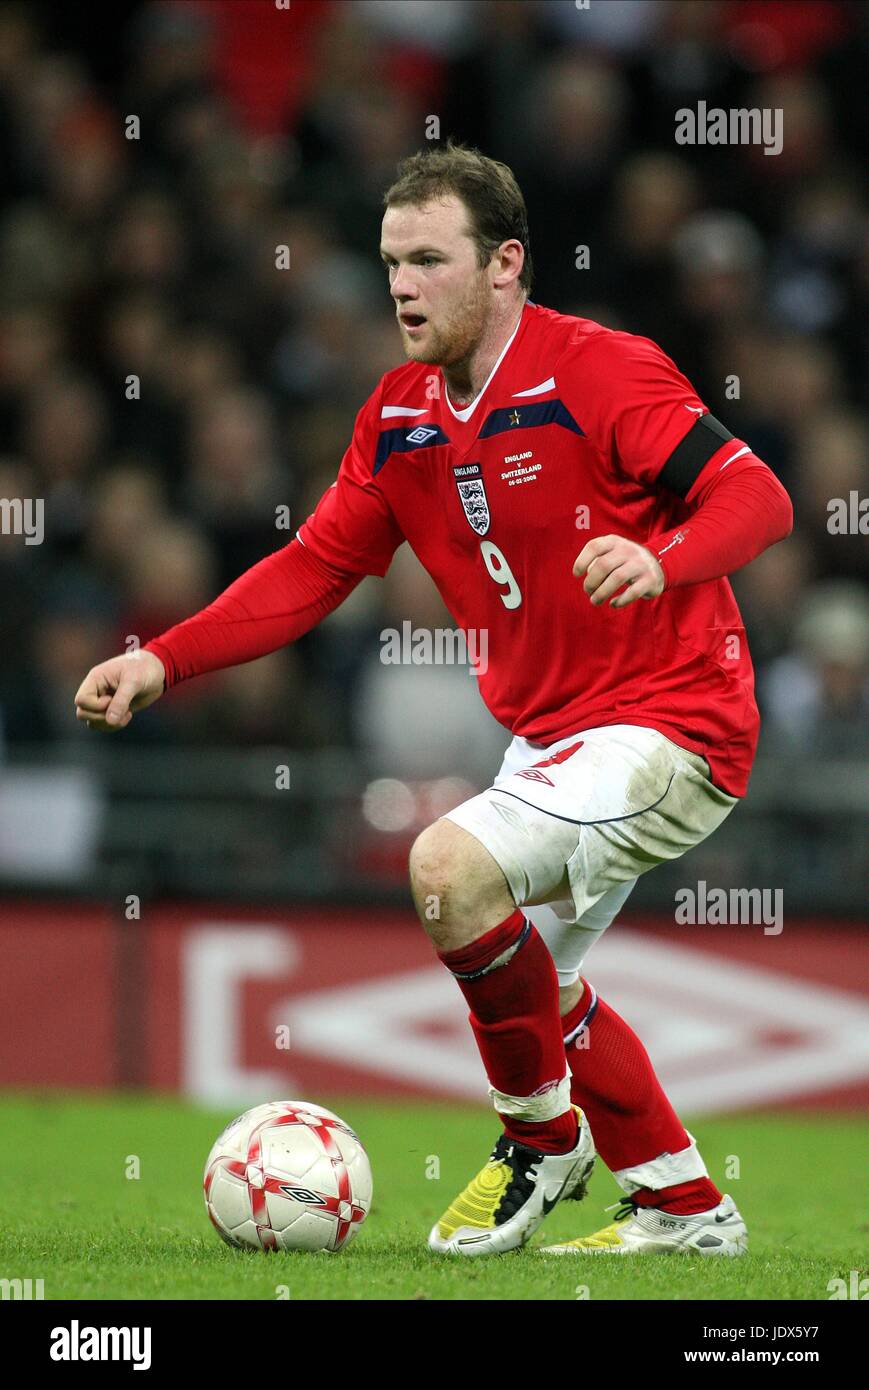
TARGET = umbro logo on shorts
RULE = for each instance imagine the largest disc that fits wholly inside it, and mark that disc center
(534, 775)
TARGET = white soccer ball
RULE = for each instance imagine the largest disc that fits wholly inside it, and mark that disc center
(288, 1175)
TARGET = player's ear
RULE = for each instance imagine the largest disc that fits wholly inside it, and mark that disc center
(507, 261)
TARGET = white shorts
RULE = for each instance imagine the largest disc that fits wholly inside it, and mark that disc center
(573, 836)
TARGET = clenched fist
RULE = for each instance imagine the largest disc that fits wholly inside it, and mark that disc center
(611, 562)
(112, 692)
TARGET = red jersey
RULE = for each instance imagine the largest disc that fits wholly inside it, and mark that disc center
(566, 442)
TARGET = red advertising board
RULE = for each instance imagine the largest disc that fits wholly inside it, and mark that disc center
(230, 1004)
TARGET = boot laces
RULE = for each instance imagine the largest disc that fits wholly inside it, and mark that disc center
(623, 1208)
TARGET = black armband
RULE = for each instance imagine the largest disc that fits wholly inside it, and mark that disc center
(689, 458)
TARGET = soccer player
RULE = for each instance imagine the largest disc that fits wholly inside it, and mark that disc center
(572, 496)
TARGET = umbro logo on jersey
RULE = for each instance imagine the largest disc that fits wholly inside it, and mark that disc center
(401, 440)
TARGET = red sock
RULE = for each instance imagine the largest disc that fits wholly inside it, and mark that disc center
(514, 1015)
(684, 1199)
(632, 1121)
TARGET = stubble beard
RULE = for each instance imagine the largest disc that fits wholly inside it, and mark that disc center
(454, 344)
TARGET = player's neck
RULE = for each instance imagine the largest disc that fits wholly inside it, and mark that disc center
(465, 380)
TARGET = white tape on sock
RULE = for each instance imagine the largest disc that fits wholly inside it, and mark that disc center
(536, 1109)
(664, 1171)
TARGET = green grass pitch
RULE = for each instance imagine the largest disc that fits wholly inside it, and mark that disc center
(70, 1216)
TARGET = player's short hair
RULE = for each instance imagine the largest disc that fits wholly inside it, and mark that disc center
(487, 188)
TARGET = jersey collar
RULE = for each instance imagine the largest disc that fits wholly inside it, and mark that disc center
(468, 410)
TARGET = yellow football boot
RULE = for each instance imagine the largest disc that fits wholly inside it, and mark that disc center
(501, 1208)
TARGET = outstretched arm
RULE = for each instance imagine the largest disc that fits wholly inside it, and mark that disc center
(273, 603)
(276, 601)
(351, 533)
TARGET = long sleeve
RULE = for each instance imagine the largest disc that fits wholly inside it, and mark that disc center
(276, 601)
(351, 533)
(644, 414)
(741, 509)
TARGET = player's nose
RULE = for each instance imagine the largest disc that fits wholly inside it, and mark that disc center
(402, 288)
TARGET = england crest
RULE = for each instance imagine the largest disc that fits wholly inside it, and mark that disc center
(472, 491)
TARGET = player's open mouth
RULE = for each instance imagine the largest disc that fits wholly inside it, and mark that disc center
(412, 321)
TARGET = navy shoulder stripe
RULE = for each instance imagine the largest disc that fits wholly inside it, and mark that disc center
(405, 439)
(528, 416)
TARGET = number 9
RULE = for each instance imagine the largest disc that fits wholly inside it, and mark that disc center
(496, 563)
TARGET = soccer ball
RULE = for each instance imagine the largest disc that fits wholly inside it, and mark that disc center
(288, 1175)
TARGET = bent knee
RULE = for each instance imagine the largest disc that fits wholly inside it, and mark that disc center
(452, 873)
(439, 855)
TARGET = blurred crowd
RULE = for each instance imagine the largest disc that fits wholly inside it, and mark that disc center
(165, 386)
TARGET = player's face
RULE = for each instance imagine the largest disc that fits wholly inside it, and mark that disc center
(442, 297)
